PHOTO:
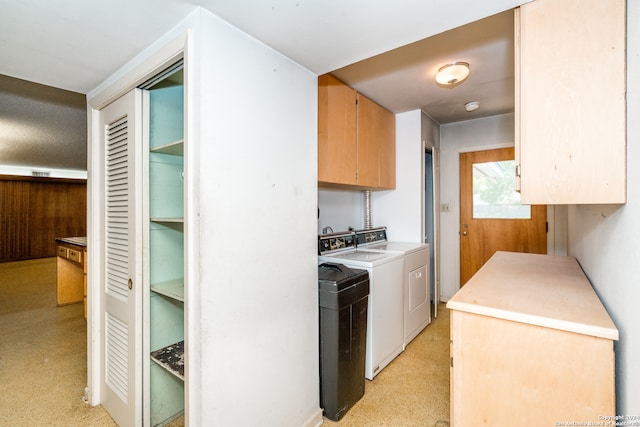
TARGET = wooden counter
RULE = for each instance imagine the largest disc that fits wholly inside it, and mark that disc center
(531, 344)
(72, 271)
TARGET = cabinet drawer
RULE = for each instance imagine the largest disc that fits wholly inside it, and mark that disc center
(62, 252)
(75, 256)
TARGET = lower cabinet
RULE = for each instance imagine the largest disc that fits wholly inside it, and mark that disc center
(504, 370)
(71, 286)
(531, 345)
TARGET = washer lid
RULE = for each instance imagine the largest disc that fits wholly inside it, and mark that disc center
(363, 256)
(402, 247)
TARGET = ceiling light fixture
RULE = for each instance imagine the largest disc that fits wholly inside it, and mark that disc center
(451, 74)
(472, 106)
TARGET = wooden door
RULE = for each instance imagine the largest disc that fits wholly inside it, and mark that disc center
(494, 222)
(121, 281)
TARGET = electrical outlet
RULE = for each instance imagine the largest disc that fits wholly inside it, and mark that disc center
(444, 207)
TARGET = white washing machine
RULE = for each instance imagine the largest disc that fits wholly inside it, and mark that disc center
(417, 298)
(385, 311)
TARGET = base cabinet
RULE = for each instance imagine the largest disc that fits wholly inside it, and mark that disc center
(531, 345)
(503, 371)
(71, 268)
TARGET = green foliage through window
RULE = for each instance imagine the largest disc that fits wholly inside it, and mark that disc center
(494, 194)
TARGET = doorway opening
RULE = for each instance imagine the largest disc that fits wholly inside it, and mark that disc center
(431, 219)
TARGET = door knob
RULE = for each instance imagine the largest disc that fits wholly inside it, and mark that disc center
(464, 233)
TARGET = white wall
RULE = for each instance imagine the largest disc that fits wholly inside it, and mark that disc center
(257, 174)
(401, 209)
(605, 239)
(340, 209)
(470, 135)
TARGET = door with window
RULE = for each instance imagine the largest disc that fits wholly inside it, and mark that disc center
(491, 216)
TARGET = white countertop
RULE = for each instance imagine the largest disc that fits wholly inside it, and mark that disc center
(543, 290)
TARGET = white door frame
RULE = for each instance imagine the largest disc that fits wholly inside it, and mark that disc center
(166, 51)
(435, 151)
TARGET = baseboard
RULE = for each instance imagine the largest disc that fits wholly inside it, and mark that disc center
(315, 420)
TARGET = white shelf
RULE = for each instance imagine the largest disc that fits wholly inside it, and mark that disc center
(172, 289)
(168, 220)
(171, 358)
(175, 148)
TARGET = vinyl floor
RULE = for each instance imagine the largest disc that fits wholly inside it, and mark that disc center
(43, 370)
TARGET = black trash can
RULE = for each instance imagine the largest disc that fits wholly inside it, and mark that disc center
(343, 295)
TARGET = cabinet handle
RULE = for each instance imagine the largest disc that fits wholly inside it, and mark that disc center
(130, 283)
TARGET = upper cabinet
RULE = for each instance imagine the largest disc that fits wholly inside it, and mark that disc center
(376, 142)
(570, 106)
(337, 152)
(356, 139)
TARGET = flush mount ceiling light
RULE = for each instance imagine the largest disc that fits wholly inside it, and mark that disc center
(451, 74)
(472, 106)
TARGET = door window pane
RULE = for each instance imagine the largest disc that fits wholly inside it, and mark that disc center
(494, 194)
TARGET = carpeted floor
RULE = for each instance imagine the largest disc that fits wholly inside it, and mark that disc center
(43, 363)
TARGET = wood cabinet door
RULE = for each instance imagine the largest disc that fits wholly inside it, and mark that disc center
(570, 101)
(376, 145)
(336, 132)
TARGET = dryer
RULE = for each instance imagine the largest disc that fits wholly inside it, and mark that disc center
(417, 298)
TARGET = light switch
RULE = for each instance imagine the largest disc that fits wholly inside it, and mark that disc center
(444, 207)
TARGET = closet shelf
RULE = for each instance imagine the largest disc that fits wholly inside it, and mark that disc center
(168, 220)
(175, 148)
(171, 358)
(171, 288)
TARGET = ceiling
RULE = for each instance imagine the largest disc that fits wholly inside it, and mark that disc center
(77, 44)
(404, 79)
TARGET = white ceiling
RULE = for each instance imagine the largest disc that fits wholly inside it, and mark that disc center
(404, 79)
(76, 44)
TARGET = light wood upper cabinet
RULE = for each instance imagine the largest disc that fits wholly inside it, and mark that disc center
(337, 152)
(376, 145)
(356, 138)
(570, 112)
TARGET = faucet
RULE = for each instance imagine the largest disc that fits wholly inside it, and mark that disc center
(326, 230)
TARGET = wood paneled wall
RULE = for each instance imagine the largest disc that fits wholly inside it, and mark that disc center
(34, 211)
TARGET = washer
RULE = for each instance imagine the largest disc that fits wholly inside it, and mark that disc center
(417, 298)
(385, 310)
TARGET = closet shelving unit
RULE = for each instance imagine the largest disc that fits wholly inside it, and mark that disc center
(165, 179)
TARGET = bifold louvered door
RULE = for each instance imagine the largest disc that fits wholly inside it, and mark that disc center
(121, 286)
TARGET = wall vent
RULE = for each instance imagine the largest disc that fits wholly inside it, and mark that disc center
(41, 174)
